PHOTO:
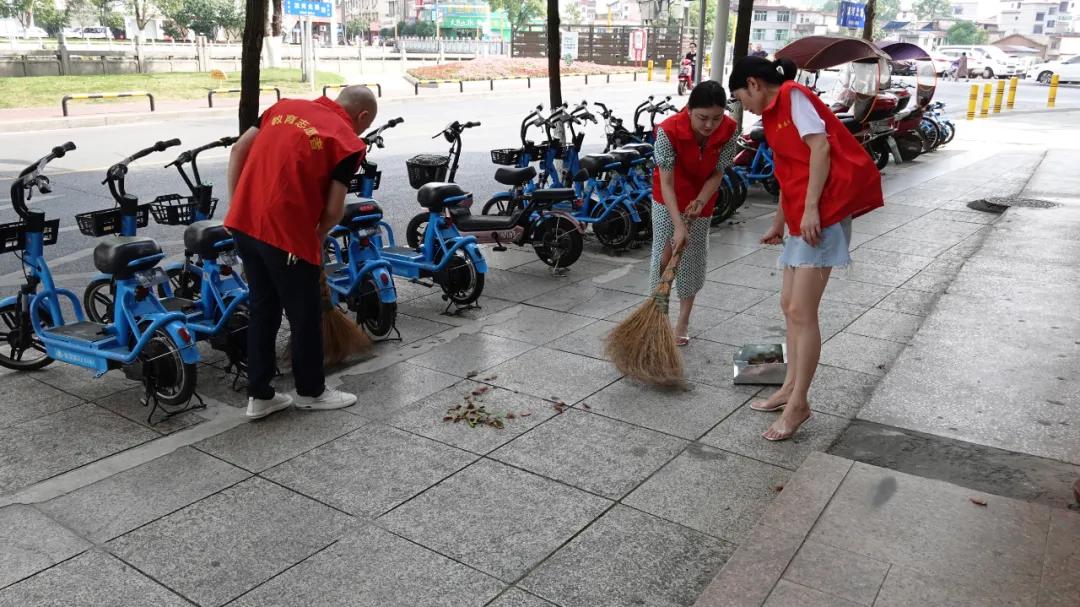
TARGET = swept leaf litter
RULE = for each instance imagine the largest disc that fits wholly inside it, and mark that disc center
(475, 413)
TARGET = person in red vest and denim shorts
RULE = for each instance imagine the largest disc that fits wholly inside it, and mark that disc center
(692, 149)
(288, 178)
(826, 179)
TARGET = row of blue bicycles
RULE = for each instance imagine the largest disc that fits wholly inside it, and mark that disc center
(145, 315)
(136, 315)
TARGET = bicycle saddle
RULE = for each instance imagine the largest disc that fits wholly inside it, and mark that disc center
(363, 212)
(122, 256)
(436, 196)
(208, 238)
(516, 177)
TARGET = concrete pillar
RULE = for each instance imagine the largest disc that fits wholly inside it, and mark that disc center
(65, 56)
(140, 59)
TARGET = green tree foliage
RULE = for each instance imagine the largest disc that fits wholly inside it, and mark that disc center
(886, 10)
(23, 10)
(519, 12)
(356, 26)
(573, 15)
(230, 17)
(931, 10)
(966, 32)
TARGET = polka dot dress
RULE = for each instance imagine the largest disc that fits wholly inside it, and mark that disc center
(691, 275)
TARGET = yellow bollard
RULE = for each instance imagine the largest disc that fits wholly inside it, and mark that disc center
(973, 101)
(650, 66)
(667, 71)
(998, 95)
(987, 89)
(1053, 91)
(1013, 82)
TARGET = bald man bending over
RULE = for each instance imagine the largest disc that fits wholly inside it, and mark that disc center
(288, 178)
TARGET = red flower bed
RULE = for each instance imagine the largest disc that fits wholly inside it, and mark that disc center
(501, 67)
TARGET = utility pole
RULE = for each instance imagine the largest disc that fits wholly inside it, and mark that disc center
(701, 43)
(719, 43)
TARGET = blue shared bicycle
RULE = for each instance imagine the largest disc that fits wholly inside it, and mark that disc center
(356, 273)
(146, 341)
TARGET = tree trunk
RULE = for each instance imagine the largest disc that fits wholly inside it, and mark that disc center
(275, 24)
(868, 26)
(742, 30)
(254, 30)
(553, 47)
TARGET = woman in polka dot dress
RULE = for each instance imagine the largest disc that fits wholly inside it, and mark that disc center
(692, 150)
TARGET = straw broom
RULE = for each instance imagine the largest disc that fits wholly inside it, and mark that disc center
(342, 337)
(642, 346)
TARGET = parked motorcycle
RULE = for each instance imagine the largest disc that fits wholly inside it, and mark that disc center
(686, 76)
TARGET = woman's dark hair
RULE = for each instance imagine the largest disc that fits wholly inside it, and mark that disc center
(709, 93)
(773, 72)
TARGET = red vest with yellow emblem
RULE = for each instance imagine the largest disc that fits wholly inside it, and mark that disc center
(694, 164)
(853, 187)
(282, 190)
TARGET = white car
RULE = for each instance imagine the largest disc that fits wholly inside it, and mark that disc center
(34, 32)
(1067, 70)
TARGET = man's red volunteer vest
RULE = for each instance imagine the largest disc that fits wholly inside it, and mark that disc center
(282, 190)
(693, 164)
(853, 187)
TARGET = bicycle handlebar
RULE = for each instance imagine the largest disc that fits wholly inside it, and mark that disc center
(118, 170)
(375, 137)
(189, 155)
(31, 177)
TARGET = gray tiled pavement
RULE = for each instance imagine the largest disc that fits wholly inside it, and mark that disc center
(623, 499)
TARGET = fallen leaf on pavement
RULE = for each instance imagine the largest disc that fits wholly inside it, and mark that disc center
(978, 501)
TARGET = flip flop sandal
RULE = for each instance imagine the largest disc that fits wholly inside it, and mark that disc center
(754, 406)
(787, 435)
(682, 340)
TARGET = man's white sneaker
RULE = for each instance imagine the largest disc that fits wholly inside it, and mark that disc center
(258, 407)
(329, 399)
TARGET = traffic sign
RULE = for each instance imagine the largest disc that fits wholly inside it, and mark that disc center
(851, 14)
(302, 8)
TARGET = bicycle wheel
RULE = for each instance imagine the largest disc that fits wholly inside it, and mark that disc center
(375, 315)
(616, 231)
(173, 379)
(20, 348)
(98, 300)
(557, 242)
(460, 280)
(414, 232)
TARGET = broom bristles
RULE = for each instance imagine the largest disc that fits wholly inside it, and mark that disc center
(342, 338)
(642, 346)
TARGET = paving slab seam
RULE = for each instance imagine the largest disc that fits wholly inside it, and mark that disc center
(814, 524)
(224, 418)
(282, 572)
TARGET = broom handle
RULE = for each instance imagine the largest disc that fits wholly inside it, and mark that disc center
(666, 280)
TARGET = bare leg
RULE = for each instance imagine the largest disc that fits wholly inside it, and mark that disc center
(780, 397)
(682, 326)
(802, 316)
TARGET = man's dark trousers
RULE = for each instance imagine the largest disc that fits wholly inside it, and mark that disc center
(279, 281)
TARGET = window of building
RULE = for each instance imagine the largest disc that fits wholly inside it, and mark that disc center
(760, 15)
(1063, 7)
(783, 17)
(958, 10)
(1038, 29)
(1040, 16)
(1052, 11)
(1049, 25)
(781, 35)
(758, 34)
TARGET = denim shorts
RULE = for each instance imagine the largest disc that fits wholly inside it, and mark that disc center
(831, 252)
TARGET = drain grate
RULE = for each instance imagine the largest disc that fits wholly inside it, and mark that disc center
(1000, 205)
